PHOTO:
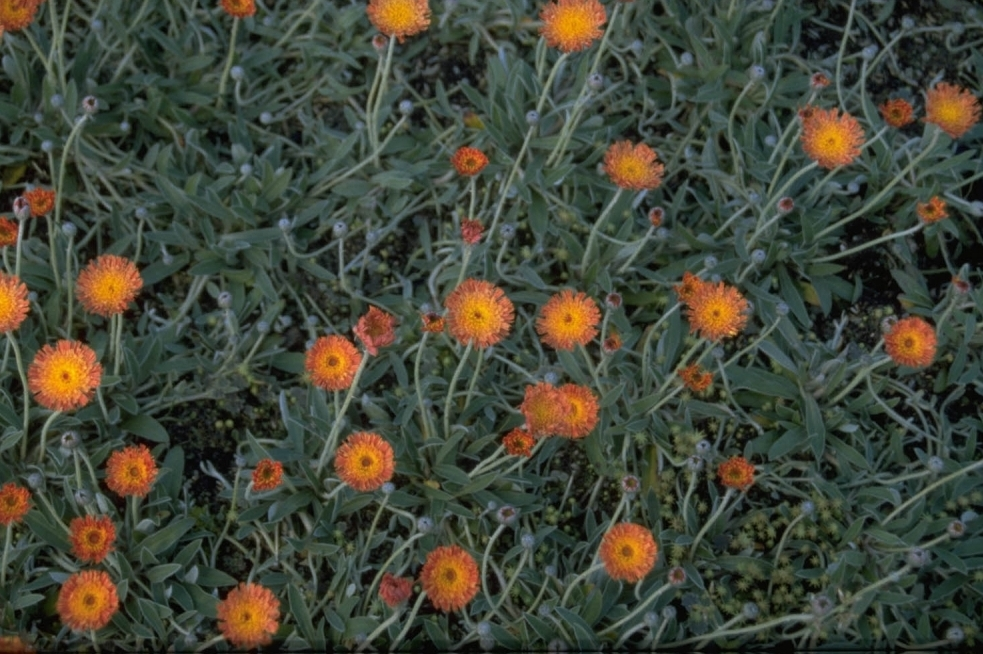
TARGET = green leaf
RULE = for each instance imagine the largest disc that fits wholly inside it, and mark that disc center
(167, 537)
(300, 612)
(161, 572)
(146, 427)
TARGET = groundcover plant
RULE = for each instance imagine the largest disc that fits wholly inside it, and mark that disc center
(492, 325)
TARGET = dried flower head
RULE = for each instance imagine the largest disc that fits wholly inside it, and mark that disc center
(736, 472)
(399, 18)
(15, 501)
(17, 14)
(364, 461)
(469, 161)
(518, 442)
(433, 323)
(689, 287)
(87, 600)
(911, 342)
(954, 109)
(14, 644)
(579, 409)
(932, 211)
(818, 81)
(695, 377)
(8, 232)
(249, 616)
(92, 538)
(471, 231)
(567, 319)
(633, 167)
(612, 343)
(131, 471)
(572, 25)
(786, 205)
(656, 214)
(40, 200)
(478, 312)
(64, 376)
(331, 362)
(267, 475)
(830, 139)
(376, 329)
(450, 578)
(542, 408)
(897, 112)
(239, 8)
(13, 302)
(395, 590)
(717, 311)
(108, 284)
(628, 552)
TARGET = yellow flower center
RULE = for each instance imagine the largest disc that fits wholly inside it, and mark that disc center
(398, 15)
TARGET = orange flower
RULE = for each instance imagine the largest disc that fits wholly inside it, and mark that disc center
(954, 109)
(578, 411)
(471, 231)
(717, 311)
(830, 139)
(897, 112)
(690, 286)
(364, 461)
(469, 161)
(239, 8)
(13, 302)
(64, 376)
(518, 443)
(567, 319)
(479, 312)
(267, 475)
(399, 18)
(433, 323)
(695, 378)
(541, 407)
(332, 362)
(17, 14)
(376, 329)
(131, 471)
(14, 644)
(572, 25)
(736, 473)
(612, 343)
(87, 600)
(633, 167)
(92, 538)
(911, 342)
(628, 552)
(15, 501)
(8, 229)
(107, 284)
(249, 616)
(450, 577)
(932, 211)
(40, 200)
(395, 590)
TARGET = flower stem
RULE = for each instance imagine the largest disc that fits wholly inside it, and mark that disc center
(713, 518)
(329, 442)
(450, 389)
(594, 229)
(224, 80)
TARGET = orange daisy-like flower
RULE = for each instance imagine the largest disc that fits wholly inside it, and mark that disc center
(479, 312)
(469, 161)
(717, 311)
(911, 342)
(450, 577)
(14, 644)
(395, 590)
(87, 600)
(8, 232)
(567, 319)
(695, 378)
(13, 302)
(736, 473)
(633, 167)
(17, 14)
(932, 211)
(433, 323)
(267, 475)
(108, 284)
(64, 376)
(249, 616)
(572, 25)
(376, 329)
(15, 501)
(364, 461)
(830, 139)
(471, 231)
(40, 200)
(518, 442)
(131, 471)
(690, 286)
(399, 18)
(542, 408)
(239, 8)
(332, 362)
(92, 538)
(579, 411)
(954, 109)
(628, 552)
(897, 112)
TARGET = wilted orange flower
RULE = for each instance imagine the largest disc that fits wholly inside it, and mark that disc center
(689, 287)
(633, 167)
(518, 443)
(572, 25)
(829, 139)
(17, 14)
(376, 329)
(932, 211)
(471, 231)
(399, 18)
(628, 552)
(267, 475)
(40, 200)
(656, 214)
(364, 461)
(433, 323)
(612, 343)
(954, 109)
(395, 590)
(108, 284)
(717, 311)
(249, 616)
(332, 362)
(469, 161)
(736, 473)
(695, 378)
(64, 376)
(449, 577)
(131, 471)
(14, 644)
(897, 112)
(239, 8)
(541, 406)
(818, 81)
(911, 342)
(568, 319)
(87, 600)
(479, 312)
(15, 501)
(92, 538)
(8, 230)
(578, 415)
(13, 302)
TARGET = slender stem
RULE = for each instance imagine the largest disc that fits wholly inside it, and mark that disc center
(713, 518)
(579, 578)
(868, 244)
(759, 230)
(375, 522)
(230, 517)
(26, 394)
(595, 227)
(6, 554)
(928, 489)
(44, 435)
(379, 85)
(329, 442)
(450, 389)
(649, 599)
(409, 621)
(424, 413)
(224, 80)
(842, 52)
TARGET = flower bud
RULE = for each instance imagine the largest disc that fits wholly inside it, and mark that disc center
(224, 300)
(237, 73)
(532, 117)
(69, 229)
(379, 42)
(405, 107)
(21, 208)
(90, 105)
(70, 440)
(686, 59)
(424, 525)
